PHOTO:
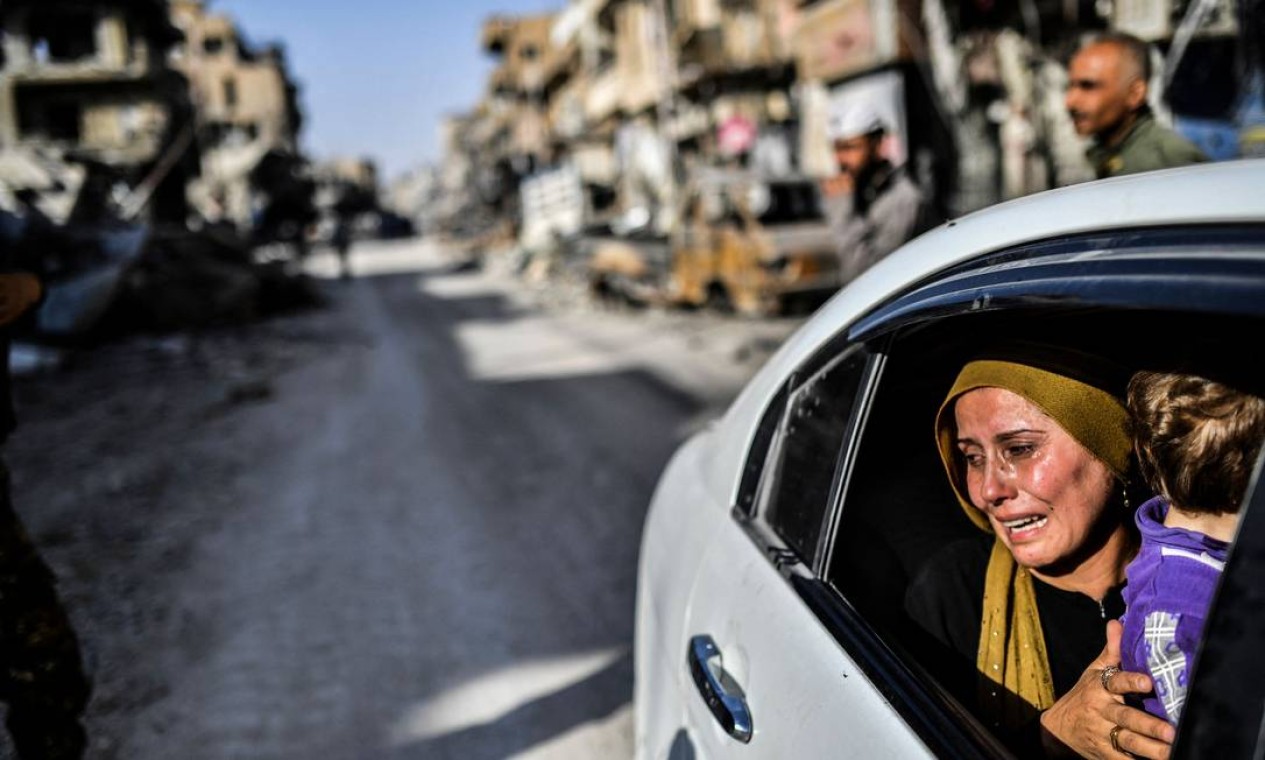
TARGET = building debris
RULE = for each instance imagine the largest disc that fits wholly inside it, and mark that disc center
(638, 98)
(148, 155)
(246, 105)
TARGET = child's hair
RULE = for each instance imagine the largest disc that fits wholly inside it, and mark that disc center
(1197, 440)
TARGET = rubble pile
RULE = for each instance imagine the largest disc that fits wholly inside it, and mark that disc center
(106, 277)
(149, 170)
(185, 280)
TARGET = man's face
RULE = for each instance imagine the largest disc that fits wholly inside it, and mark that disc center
(1103, 90)
(856, 153)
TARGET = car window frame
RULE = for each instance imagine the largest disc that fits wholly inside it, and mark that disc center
(1076, 261)
(752, 508)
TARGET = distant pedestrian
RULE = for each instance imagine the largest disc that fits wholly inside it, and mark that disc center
(342, 245)
(1108, 81)
(873, 206)
(41, 674)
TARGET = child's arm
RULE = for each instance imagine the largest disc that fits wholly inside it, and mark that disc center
(1172, 640)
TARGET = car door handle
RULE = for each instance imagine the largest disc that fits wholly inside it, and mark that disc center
(721, 694)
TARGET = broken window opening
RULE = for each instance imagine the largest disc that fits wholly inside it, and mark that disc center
(63, 36)
(230, 93)
(213, 45)
(54, 121)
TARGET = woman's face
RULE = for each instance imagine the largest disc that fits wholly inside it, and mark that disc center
(1041, 490)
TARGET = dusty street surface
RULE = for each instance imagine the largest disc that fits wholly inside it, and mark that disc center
(402, 526)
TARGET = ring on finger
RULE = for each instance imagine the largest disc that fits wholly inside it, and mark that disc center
(1115, 738)
(1104, 676)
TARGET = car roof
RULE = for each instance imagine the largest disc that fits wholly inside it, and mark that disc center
(1224, 192)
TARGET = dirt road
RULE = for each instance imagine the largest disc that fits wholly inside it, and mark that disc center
(403, 526)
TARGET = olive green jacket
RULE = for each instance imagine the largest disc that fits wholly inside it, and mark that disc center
(1147, 147)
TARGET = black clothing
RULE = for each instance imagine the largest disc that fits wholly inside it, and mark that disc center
(42, 678)
(946, 599)
(41, 675)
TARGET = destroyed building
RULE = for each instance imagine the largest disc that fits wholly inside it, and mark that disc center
(474, 197)
(732, 93)
(86, 95)
(639, 93)
(247, 107)
(608, 84)
(514, 139)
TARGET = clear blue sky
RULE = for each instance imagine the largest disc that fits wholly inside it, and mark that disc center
(376, 76)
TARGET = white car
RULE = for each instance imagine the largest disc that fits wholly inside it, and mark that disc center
(780, 539)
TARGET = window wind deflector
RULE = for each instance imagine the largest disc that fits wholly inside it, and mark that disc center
(1205, 280)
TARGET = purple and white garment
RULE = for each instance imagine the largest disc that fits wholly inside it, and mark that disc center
(1170, 586)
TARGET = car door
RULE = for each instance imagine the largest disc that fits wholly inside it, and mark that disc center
(760, 675)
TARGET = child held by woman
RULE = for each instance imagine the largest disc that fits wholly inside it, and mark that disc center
(1197, 442)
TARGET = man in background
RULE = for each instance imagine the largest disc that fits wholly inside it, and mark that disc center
(41, 674)
(873, 206)
(1107, 100)
(341, 240)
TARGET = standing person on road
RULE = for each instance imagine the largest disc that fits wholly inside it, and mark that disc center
(41, 675)
(342, 245)
(873, 206)
(1107, 100)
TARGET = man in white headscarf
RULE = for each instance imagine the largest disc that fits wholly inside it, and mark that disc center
(873, 206)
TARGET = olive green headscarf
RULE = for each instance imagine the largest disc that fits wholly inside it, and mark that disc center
(1012, 651)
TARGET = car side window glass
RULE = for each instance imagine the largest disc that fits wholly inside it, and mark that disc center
(797, 485)
(758, 455)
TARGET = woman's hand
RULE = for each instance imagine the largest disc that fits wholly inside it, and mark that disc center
(1082, 721)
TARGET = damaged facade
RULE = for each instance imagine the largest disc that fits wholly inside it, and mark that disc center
(246, 104)
(143, 146)
(639, 95)
(88, 84)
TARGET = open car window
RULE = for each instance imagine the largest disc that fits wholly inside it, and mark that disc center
(897, 513)
(802, 468)
(844, 487)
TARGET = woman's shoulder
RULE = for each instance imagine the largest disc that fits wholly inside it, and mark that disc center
(945, 597)
(963, 557)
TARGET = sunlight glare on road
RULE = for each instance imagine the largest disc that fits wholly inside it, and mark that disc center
(375, 258)
(531, 349)
(488, 697)
(458, 286)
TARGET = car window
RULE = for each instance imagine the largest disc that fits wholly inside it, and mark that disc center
(849, 473)
(900, 519)
(758, 455)
(797, 485)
